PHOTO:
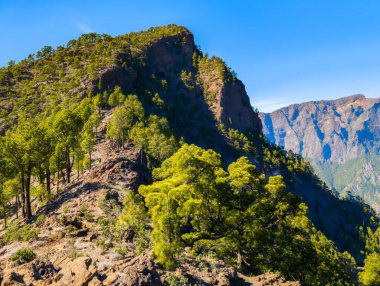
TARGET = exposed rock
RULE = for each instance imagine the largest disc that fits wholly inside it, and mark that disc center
(141, 270)
(71, 220)
(125, 166)
(339, 137)
(78, 272)
(331, 130)
(79, 233)
(12, 278)
(111, 195)
(43, 270)
(271, 279)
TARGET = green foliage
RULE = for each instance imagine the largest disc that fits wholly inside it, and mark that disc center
(371, 274)
(40, 220)
(155, 138)
(212, 70)
(124, 118)
(373, 241)
(16, 233)
(116, 98)
(187, 79)
(142, 240)
(105, 244)
(23, 255)
(134, 213)
(157, 100)
(74, 255)
(189, 187)
(122, 250)
(343, 178)
(236, 216)
(99, 101)
(152, 134)
(111, 229)
(239, 140)
(176, 280)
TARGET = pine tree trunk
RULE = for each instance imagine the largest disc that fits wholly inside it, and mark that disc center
(68, 165)
(17, 205)
(48, 182)
(63, 175)
(58, 180)
(239, 260)
(5, 216)
(23, 192)
(78, 169)
(28, 209)
(41, 174)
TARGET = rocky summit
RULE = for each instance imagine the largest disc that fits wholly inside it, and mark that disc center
(341, 138)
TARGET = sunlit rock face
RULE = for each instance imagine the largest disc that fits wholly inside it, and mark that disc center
(341, 138)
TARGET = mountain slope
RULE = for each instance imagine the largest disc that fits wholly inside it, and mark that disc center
(341, 138)
(185, 96)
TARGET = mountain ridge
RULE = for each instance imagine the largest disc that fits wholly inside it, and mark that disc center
(330, 133)
(177, 96)
(344, 99)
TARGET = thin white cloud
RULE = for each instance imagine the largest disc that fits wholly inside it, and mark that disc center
(84, 28)
(269, 105)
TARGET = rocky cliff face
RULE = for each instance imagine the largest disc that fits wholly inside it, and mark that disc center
(333, 134)
(172, 59)
(334, 131)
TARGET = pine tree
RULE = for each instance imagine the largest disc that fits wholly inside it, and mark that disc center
(371, 274)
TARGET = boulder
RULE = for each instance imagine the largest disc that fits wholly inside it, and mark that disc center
(43, 270)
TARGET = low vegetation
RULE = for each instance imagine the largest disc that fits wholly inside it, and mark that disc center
(23, 255)
(15, 232)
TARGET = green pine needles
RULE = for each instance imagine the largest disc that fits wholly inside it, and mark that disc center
(239, 215)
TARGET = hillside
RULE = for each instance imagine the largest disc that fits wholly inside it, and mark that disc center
(148, 119)
(340, 138)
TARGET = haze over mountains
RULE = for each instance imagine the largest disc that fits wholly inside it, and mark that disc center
(341, 138)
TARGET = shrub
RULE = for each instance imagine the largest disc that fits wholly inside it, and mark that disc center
(84, 208)
(60, 235)
(122, 250)
(40, 220)
(142, 241)
(74, 255)
(105, 245)
(24, 233)
(88, 217)
(23, 255)
(175, 280)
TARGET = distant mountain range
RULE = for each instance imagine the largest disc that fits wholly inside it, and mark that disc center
(341, 139)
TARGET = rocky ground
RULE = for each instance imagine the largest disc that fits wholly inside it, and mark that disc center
(77, 246)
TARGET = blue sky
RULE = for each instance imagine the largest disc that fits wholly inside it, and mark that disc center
(285, 51)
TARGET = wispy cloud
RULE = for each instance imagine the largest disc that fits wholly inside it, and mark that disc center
(84, 28)
(269, 105)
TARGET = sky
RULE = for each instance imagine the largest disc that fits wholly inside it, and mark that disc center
(284, 51)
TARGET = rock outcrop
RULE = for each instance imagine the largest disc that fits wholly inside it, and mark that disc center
(333, 131)
(334, 135)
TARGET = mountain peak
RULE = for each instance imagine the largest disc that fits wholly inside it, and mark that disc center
(333, 135)
(348, 99)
